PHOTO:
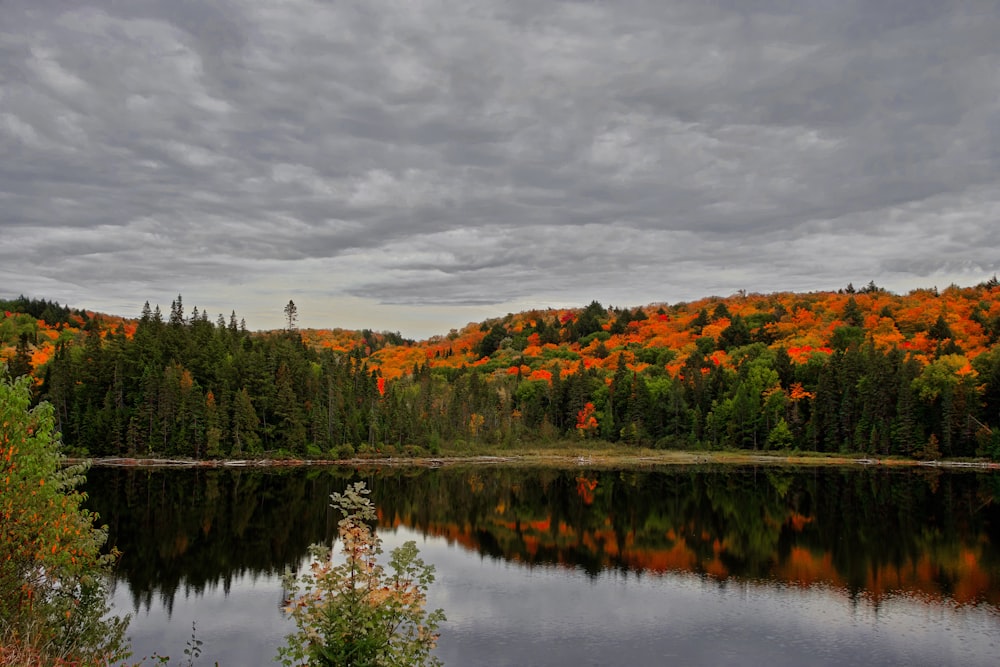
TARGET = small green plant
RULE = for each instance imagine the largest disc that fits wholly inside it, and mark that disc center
(355, 613)
(192, 651)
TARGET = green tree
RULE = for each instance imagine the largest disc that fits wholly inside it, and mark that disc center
(940, 329)
(589, 321)
(245, 422)
(291, 315)
(735, 335)
(700, 321)
(943, 391)
(355, 613)
(780, 436)
(853, 316)
(53, 595)
(21, 363)
(491, 341)
(847, 336)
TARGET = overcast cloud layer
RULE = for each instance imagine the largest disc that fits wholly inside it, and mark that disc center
(415, 165)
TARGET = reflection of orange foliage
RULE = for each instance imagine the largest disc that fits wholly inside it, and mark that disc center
(585, 489)
(462, 535)
(678, 558)
(716, 568)
(798, 521)
(603, 542)
(540, 526)
(967, 581)
(180, 544)
(804, 567)
(972, 582)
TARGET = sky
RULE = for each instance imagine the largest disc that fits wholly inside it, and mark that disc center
(416, 165)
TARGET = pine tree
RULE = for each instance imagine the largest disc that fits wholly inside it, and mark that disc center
(291, 315)
(177, 312)
(245, 423)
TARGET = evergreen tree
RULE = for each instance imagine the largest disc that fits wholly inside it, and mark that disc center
(245, 422)
(291, 315)
(852, 313)
(735, 335)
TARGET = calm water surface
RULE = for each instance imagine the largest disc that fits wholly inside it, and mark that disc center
(685, 566)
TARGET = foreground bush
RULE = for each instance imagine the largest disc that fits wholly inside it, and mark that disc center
(355, 613)
(53, 596)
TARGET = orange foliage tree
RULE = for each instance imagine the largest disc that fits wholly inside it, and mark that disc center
(586, 421)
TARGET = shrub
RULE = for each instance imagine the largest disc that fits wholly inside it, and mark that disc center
(355, 613)
(414, 451)
(53, 596)
(343, 452)
(434, 444)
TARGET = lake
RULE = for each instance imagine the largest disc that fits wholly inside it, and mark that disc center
(684, 565)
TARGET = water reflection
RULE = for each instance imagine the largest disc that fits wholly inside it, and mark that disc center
(870, 532)
(581, 563)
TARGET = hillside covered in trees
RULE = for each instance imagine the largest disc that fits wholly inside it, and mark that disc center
(853, 371)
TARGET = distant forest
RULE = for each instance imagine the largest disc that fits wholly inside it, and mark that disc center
(860, 372)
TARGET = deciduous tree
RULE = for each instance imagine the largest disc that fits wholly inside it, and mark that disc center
(53, 595)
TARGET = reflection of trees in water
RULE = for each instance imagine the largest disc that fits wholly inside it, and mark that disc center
(204, 528)
(871, 531)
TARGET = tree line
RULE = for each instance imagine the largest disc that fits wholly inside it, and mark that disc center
(186, 386)
(182, 385)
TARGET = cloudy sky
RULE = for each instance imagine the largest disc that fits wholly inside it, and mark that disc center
(416, 165)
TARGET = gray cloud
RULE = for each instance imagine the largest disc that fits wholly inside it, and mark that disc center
(441, 154)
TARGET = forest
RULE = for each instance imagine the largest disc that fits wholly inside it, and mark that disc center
(854, 371)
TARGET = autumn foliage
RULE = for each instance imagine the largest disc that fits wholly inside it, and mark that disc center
(863, 371)
(53, 607)
(738, 525)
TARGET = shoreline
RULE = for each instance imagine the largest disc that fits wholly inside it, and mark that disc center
(535, 458)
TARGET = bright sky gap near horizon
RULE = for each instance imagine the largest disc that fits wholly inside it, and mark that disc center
(415, 165)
